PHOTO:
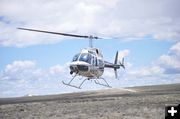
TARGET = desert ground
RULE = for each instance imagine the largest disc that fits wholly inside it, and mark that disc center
(145, 102)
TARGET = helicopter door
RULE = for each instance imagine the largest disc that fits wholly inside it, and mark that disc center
(94, 61)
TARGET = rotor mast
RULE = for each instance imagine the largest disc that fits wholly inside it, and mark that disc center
(91, 41)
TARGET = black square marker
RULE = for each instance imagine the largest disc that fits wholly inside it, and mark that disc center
(172, 112)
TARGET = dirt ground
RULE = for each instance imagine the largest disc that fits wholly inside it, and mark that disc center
(126, 103)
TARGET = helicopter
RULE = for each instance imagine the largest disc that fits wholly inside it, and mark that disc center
(89, 63)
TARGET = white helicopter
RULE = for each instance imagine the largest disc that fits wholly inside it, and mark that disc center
(89, 63)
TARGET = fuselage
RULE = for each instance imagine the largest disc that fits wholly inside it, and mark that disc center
(88, 63)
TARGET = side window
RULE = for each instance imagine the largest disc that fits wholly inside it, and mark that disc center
(75, 58)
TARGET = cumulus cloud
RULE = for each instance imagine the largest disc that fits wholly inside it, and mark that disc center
(175, 49)
(19, 65)
(171, 61)
(56, 69)
(123, 53)
(122, 18)
(147, 71)
(19, 70)
(166, 69)
(24, 77)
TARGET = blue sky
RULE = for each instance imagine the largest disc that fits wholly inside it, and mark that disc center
(145, 33)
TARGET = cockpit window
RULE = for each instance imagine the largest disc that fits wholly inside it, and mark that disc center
(85, 57)
(75, 58)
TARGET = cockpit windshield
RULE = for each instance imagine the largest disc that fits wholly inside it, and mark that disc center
(85, 57)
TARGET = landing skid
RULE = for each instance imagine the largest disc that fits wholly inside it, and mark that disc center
(95, 80)
(69, 84)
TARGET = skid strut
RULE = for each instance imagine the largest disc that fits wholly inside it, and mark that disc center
(97, 82)
(69, 84)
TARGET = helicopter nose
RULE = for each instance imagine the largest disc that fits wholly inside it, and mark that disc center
(82, 68)
(78, 68)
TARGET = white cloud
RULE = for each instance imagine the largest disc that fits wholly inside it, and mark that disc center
(121, 18)
(19, 66)
(171, 61)
(123, 53)
(146, 71)
(56, 69)
(166, 65)
(20, 70)
(175, 49)
(23, 77)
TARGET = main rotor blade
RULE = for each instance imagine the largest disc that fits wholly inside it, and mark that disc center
(57, 33)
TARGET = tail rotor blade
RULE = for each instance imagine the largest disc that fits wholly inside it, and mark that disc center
(116, 75)
(122, 63)
(116, 65)
(116, 58)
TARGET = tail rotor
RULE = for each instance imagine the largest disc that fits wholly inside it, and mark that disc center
(117, 66)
